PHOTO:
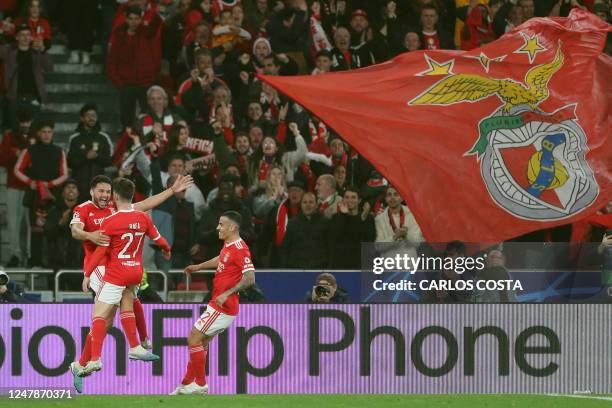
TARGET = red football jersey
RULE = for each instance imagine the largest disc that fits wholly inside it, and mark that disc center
(127, 230)
(431, 40)
(91, 216)
(234, 260)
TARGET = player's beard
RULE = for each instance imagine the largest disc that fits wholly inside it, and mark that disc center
(101, 203)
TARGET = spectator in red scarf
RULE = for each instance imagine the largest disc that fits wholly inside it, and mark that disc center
(397, 223)
(156, 120)
(256, 135)
(199, 39)
(327, 194)
(275, 226)
(201, 12)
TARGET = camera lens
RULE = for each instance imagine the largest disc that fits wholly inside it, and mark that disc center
(321, 290)
(4, 279)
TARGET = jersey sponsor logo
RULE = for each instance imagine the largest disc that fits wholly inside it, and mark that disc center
(76, 216)
(98, 221)
(247, 260)
(226, 257)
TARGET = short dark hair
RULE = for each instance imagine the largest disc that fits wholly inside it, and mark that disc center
(324, 53)
(202, 52)
(90, 106)
(455, 246)
(326, 276)
(24, 114)
(44, 123)
(430, 7)
(100, 178)
(234, 216)
(352, 189)
(133, 10)
(124, 188)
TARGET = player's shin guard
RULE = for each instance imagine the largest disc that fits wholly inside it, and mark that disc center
(141, 324)
(197, 355)
(86, 354)
(189, 375)
(128, 321)
(98, 333)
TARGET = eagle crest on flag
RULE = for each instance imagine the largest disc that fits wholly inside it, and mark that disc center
(532, 162)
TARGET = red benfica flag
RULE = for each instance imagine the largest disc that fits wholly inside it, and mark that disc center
(488, 144)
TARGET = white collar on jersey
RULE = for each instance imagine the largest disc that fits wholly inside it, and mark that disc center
(232, 243)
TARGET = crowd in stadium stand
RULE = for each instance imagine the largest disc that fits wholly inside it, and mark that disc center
(190, 102)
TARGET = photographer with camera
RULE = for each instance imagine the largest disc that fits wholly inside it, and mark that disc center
(10, 292)
(326, 291)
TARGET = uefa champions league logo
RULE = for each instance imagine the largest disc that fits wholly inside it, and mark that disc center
(532, 162)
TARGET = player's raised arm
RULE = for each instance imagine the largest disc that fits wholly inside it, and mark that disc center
(182, 183)
(210, 264)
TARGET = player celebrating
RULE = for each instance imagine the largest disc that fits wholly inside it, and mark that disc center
(235, 272)
(126, 229)
(85, 226)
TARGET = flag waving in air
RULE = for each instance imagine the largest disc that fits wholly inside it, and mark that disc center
(488, 144)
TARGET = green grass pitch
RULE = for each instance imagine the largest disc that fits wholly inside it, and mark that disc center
(323, 401)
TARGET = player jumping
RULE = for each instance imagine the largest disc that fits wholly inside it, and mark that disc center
(126, 230)
(234, 273)
(85, 226)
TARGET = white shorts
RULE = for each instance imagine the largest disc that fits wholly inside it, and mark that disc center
(213, 322)
(96, 281)
(111, 294)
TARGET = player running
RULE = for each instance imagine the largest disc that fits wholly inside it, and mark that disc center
(85, 226)
(126, 230)
(235, 272)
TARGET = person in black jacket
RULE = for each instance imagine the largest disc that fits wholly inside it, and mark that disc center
(89, 150)
(326, 290)
(306, 242)
(433, 36)
(348, 229)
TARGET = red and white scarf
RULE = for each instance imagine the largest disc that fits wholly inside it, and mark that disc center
(318, 37)
(283, 214)
(402, 219)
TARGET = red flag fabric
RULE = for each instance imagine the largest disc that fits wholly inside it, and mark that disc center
(488, 144)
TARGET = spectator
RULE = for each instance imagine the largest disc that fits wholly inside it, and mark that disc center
(287, 30)
(397, 224)
(305, 245)
(199, 39)
(508, 17)
(362, 38)
(41, 29)
(43, 167)
(326, 291)
(89, 150)
(344, 57)
(271, 194)
(412, 42)
(269, 153)
(226, 200)
(350, 227)
(323, 62)
(275, 226)
(79, 26)
(176, 166)
(258, 14)
(227, 31)
(433, 36)
(495, 269)
(156, 120)
(200, 13)
(328, 197)
(63, 250)
(14, 143)
(131, 63)
(339, 172)
(478, 29)
(25, 65)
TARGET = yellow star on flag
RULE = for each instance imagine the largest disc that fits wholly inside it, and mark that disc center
(435, 68)
(486, 61)
(531, 47)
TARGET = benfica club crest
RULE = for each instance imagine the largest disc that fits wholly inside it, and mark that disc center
(532, 162)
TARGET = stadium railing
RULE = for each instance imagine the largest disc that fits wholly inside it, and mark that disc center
(60, 295)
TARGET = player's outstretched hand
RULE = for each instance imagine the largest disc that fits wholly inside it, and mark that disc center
(98, 238)
(191, 269)
(181, 183)
(167, 255)
(85, 284)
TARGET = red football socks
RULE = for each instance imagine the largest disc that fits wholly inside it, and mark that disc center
(189, 375)
(86, 353)
(128, 321)
(140, 320)
(98, 333)
(197, 356)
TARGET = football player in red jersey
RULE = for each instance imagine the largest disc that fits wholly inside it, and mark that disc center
(126, 229)
(85, 226)
(235, 272)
